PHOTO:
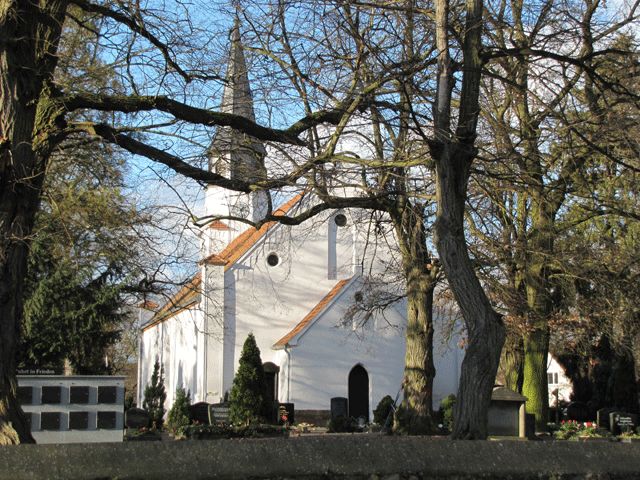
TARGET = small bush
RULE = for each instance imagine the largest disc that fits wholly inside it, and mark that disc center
(178, 419)
(383, 410)
(342, 424)
(446, 411)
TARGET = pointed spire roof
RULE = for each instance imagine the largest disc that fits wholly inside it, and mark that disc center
(234, 153)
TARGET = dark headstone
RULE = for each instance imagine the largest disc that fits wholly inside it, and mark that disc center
(578, 411)
(339, 407)
(136, 418)
(79, 395)
(25, 395)
(602, 417)
(107, 394)
(218, 413)
(107, 420)
(50, 421)
(530, 426)
(78, 420)
(286, 410)
(51, 394)
(199, 412)
(622, 422)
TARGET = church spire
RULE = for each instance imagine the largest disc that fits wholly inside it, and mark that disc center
(233, 153)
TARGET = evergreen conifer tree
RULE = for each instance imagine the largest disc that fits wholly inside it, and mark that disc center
(154, 397)
(178, 417)
(247, 401)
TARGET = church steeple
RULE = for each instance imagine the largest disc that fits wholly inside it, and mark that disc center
(233, 153)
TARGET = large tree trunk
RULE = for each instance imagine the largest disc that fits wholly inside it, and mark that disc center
(416, 413)
(27, 116)
(485, 329)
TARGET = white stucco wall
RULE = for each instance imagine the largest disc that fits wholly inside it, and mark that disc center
(174, 343)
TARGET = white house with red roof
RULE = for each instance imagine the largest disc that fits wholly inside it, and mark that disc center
(301, 290)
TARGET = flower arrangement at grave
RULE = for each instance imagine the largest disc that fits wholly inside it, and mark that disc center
(574, 430)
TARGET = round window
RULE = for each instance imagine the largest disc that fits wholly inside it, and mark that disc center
(340, 219)
(273, 259)
(358, 297)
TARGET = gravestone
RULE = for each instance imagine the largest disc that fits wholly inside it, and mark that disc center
(79, 395)
(107, 420)
(218, 413)
(622, 422)
(107, 394)
(78, 420)
(25, 395)
(578, 411)
(286, 410)
(50, 421)
(199, 412)
(339, 407)
(51, 394)
(602, 417)
(506, 415)
(136, 418)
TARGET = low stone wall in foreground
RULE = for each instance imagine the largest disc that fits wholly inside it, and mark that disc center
(323, 457)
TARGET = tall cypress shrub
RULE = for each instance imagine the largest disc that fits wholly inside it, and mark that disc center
(155, 396)
(248, 399)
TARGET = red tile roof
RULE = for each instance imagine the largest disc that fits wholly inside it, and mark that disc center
(315, 312)
(218, 225)
(247, 239)
(187, 296)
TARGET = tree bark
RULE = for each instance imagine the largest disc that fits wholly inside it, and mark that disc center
(484, 326)
(415, 416)
(27, 117)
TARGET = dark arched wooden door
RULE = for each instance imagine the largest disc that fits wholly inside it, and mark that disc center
(359, 392)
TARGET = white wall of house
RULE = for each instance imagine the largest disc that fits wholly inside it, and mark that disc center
(557, 380)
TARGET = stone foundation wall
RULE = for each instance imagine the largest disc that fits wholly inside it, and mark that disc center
(354, 457)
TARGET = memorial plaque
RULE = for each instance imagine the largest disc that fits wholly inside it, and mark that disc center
(622, 422)
(199, 412)
(107, 420)
(79, 395)
(50, 421)
(78, 420)
(602, 417)
(136, 418)
(218, 413)
(107, 394)
(51, 394)
(25, 395)
(339, 407)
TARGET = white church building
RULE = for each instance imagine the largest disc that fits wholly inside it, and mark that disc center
(296, 288)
